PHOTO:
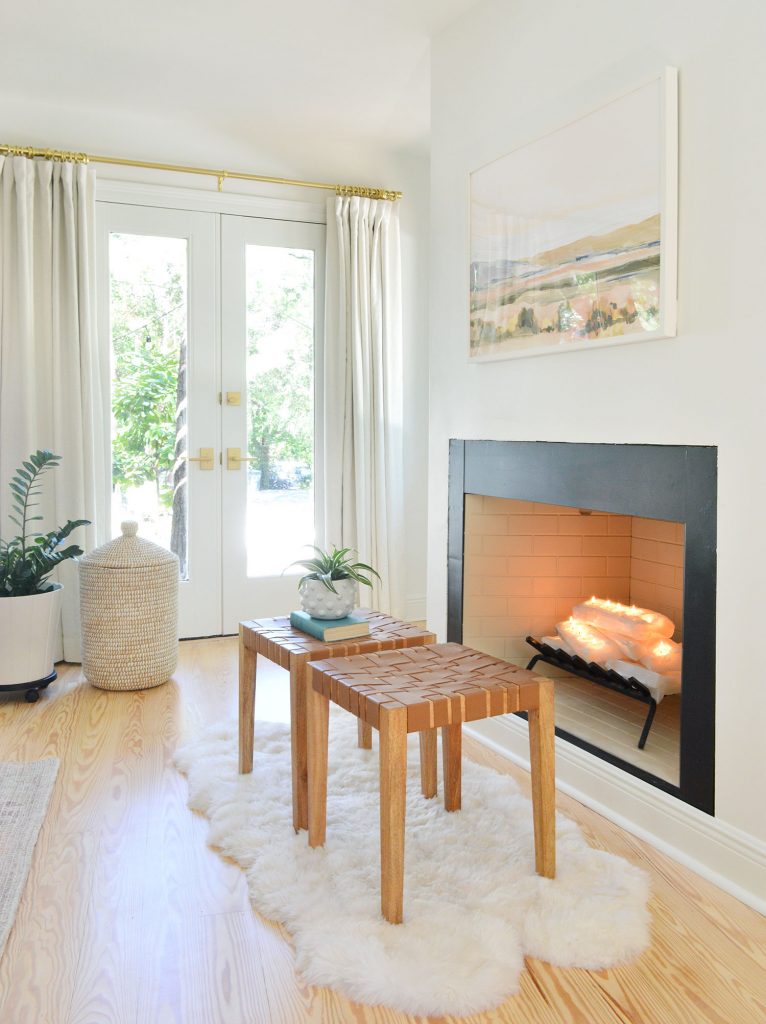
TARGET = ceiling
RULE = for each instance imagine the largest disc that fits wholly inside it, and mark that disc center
(338, 72)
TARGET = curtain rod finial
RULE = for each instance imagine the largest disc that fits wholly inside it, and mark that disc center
(367, 193)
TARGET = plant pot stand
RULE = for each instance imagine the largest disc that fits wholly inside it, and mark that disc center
(31, 689)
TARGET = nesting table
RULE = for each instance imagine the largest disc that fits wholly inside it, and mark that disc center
(276, 640)
(417, 690)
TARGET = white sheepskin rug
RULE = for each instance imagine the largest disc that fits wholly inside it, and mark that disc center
(473, 906)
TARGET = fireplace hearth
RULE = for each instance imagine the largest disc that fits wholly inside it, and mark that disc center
(537, 530)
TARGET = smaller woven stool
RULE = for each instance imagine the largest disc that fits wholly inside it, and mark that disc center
(419, 690)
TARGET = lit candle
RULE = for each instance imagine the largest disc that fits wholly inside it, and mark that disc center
(663, 656)
(587, 642)
(640, 624)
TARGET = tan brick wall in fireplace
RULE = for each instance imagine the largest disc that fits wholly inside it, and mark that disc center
(526, 564)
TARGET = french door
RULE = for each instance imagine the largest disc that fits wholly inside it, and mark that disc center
(213, 324)
(272, 286)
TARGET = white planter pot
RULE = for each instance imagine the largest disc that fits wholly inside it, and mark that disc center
(321, 603)
(28, 632)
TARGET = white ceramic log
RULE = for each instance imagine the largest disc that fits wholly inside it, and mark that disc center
(28, 633)
(321, 603)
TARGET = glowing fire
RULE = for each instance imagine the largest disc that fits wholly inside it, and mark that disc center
(582, 631)
(631, 611)
(602, 630)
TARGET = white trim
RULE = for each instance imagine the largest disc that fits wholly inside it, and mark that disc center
(200, 200)
(722, 853)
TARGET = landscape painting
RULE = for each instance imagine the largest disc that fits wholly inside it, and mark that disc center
(573, 235)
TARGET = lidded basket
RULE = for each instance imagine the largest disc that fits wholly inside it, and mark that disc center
(129, 613)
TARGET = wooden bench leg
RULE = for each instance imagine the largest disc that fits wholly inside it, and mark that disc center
(542, 756)
(393, 795)
(248, 661)
(428, 762)
(364, 735)
(318, 707)
(452, 745)
(299, 745)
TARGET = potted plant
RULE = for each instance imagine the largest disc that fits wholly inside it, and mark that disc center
(330, 589)
(30, 604)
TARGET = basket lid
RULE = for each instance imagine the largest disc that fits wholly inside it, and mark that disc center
(129, 551)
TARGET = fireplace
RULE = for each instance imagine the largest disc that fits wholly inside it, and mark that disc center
(541, 532)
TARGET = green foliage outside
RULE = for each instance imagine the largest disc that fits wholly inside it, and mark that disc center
(149, 324)
(148, 332)
(281, 382)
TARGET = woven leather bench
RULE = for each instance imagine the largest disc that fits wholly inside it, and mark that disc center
(419, 690)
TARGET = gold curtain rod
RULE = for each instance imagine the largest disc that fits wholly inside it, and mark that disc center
(83, 158)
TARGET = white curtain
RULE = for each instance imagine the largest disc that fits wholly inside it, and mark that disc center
(51, 394)
(363, 445)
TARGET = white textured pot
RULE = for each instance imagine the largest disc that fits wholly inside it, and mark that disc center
(28, 631)
(321, 603)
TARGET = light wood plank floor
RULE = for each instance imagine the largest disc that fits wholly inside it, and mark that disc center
(129, 917)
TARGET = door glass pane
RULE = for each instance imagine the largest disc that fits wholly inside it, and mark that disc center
(149, 323)
(280, 407)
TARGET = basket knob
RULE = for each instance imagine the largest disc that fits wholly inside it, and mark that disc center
(129, 528)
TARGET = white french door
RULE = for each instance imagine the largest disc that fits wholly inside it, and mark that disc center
(213, 323)
(272, 287)
(157, 313)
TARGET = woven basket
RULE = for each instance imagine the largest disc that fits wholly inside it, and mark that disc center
(129, 613)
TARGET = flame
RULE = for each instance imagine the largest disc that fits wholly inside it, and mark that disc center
(662, 649)
(631, 611)
(583, 632)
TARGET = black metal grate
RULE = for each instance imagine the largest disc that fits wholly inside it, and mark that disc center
(628, 687)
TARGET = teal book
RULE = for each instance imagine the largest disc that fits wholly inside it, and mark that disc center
(330, 629)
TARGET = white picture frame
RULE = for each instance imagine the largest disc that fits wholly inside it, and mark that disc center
(573, 236)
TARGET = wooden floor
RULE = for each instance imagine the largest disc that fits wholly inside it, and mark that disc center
(128, 916)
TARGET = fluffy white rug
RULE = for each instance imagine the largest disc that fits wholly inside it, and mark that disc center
(473, 905)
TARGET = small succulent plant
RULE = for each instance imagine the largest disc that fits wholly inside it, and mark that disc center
(337, 564)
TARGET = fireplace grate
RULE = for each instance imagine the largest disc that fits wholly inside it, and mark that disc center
(628, 687)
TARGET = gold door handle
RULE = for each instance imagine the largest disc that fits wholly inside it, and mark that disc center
(234, 460)
(206, 458)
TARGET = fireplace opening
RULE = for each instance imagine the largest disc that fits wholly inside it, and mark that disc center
(598, 561)
(594, 600)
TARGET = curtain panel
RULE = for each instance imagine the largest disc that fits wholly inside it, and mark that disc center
(363, 444)
(51, 383)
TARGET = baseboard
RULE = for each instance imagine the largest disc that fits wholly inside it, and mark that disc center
(416, 608)
(725, 855)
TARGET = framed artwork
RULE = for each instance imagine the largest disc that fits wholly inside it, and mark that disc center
(574, 235)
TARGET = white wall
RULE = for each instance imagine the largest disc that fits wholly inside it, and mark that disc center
(507, 73)
(196, 143)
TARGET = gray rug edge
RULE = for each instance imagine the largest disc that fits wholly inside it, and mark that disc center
(14, 874)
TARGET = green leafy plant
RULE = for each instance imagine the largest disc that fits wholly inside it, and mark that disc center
(28, 560)
(337, 564)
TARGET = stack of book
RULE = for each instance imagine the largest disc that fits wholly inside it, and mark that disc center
(330, 629)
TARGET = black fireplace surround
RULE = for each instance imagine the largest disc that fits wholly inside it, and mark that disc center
(670, 482)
